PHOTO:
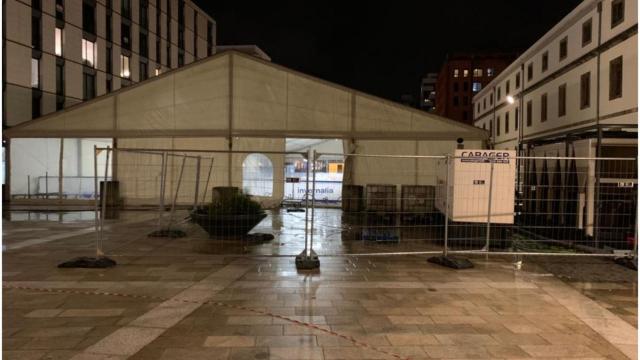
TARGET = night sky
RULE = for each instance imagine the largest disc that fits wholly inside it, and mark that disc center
(381, 49)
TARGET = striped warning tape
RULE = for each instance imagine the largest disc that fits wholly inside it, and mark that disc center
(216, 303)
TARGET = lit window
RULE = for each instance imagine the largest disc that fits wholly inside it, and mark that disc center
(89, 53)
(58, 42)
(157, 71)
(465, 72)
(456, 73)
(35, 73)
(490, 72)
(125, 71)
(476, 87)
(477, 72)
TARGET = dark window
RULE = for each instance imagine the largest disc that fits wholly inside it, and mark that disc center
(478, 111)
(181, 12)
(585, 90)
(209, 38)
(530, 72)
(545, 61)
(517, 118)
(455, 86)
(158, 13)
(144, 72)
(490, 99)
(144, 13)
(615, 78)
(158, 60)
(455, 101)
(109, 27)
(181, 37)
(491, 128)
(144, 45)
(506, 123)
(125, 35)
(168, 55)
(180, 59)
(109, 61)
(498, 95)
(59, 103)
(498, 126)
(518, 81)
(60, 9)
(586, 32)
(89, 86)
(465, 100)
(563, 48)
(529, 113)
(195, 34)
(465, 86)
(562, 100)
(36, 4)
(465, 116)
(109, 85)
(543, 108)
(36, 103)
(60, 78)
(617, 12)
(484, 103)
(169, 20)
(507, 87)
(36, 33)
(126, 8)
(88, 18)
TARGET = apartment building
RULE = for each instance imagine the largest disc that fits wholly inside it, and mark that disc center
(462, 76)
(578, 81)
(61, 52)
(574, 93)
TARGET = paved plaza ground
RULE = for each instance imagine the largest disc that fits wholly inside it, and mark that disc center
(191, 298)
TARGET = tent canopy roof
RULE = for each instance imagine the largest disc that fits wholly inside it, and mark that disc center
(233, 94)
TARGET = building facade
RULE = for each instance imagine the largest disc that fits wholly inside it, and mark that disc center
(428, 92)
(58, 53)
(461, 77)
(574, 93)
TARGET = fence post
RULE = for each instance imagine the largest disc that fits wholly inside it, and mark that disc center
(445, 251)
(46, 185)
(103, 198)
(306, 205)
(307, 259)
(28, 186)
(486, 245)
(96, 196)
(175, 197)
(313, 201)
(162, 182)
(195, 199)
(206, 186)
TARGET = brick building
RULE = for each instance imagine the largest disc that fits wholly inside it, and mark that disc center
(461, 77)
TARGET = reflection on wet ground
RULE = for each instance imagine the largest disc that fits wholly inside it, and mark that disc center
(402, 304)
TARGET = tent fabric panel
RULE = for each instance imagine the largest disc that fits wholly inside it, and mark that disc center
(97, 117)
(373, 115)
(148, 107)
(259, 96)
(315, 105)
(202, 96)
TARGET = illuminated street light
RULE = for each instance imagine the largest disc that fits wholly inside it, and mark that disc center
(510, 99)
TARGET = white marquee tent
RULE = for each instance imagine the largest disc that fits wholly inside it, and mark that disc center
(232, 101)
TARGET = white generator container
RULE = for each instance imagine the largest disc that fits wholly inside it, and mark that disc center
(468, 181)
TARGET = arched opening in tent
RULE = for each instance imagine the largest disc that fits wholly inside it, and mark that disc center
(257, 175)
